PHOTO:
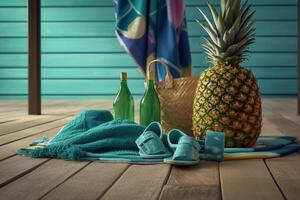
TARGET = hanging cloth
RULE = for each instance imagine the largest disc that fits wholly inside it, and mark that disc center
(154, 29)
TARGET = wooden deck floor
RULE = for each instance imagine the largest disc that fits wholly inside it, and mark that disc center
(26, 178)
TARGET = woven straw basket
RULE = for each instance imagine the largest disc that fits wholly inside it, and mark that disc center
(176, 98)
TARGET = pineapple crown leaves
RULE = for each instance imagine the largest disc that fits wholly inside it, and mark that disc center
(230, 32)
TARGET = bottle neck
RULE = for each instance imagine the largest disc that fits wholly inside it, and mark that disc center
(124, 87)
(124, 82)
(150, 85)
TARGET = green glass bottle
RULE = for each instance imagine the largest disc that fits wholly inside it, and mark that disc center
(124, 103)
(149, 105)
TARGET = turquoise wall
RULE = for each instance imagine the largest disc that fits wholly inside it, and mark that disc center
(81, 57)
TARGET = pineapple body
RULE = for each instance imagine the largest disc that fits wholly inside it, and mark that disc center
(227, 99)
(227, 96)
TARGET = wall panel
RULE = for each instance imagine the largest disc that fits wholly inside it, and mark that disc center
(81, 57)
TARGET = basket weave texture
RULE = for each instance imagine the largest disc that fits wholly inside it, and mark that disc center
(176, 98)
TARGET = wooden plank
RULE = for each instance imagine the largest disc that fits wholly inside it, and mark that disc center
(269, 128)
(82, 87)
(58, 107)
(79, 45)
(273, 72)
(24, 164)
(14, 60)
(106, 29)
(71, 3)
(18, 60)
(285, 171)
(20, 112)
(285, 107)
(298, 108)
(12, 115)
(69, 106)
(72, 106)
(34, 57)
(261, 12)
(17, 166)
(280, 169)
(10, 149)
(8, 109)
(5, 120)
(19, 116)
(42, 180)
(15, 115)
(284, 125)
(97, 176)
(111, 45)
(18, 103)
(293, 118)
(39, 129)
(133, 73)
(122, 60)
(117, 60)
(25, 123)
(74, 109)
(139, 182)
(69, 96)
(254, 2)
(247, 179)
(93, 13)
(196, 182)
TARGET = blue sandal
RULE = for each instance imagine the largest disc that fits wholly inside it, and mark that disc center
(186, 149)
(150, 142)
(214, 146)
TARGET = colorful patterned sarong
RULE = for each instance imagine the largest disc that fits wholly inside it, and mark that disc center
(154, 29)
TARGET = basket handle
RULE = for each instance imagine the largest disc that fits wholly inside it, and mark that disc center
(168, 77)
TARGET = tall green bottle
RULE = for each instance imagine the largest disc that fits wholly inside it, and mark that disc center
(149, 105)
(124, 103)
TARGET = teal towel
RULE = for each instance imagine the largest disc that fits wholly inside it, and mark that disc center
(95, 135)
(92, 135)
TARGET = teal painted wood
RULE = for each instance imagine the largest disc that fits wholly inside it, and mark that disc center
(108, 2)
(106, 29)
(109, 87)
(82, 59)
(255, 2)
(111, 45)
(122, 60)
(13, 60)
(265, 12)
(133, 73)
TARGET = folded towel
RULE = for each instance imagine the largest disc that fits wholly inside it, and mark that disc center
(265, 147)
(91, 132)
(95, 135)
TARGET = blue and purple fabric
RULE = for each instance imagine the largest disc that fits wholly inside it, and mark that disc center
(154, 29)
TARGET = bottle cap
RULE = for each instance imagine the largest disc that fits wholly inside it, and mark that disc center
(123, 75)
(150, 75)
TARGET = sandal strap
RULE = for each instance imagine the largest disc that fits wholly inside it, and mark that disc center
(150, 143)
(173, 138)
(214, 145)
(190, 141)
(187, 149)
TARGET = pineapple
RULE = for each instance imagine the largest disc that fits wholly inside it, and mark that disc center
(227, 96)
